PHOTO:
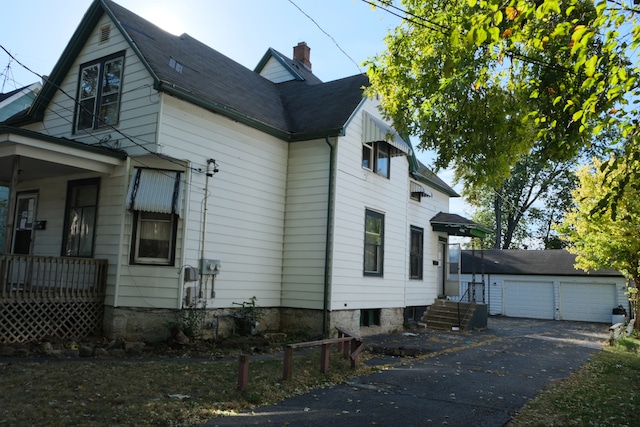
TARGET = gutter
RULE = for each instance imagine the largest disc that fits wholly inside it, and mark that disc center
(325, 304)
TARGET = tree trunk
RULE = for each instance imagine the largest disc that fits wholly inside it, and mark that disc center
(497, 210)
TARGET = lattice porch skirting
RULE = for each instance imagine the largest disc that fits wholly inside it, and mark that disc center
(32, 320)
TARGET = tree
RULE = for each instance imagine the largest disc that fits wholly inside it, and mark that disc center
(472, 79)
(533, 197)
(606, 239)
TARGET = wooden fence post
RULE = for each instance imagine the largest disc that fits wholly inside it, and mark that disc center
(243, 372)
(288, 364)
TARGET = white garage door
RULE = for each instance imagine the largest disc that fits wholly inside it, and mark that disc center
(587, 302)
(529, 299)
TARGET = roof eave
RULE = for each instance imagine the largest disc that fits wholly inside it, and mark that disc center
(63, 142)
(448, 191)
(223, 110)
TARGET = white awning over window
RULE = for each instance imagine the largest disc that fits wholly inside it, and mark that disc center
(416, 188)
(374, 129)
(155, 190)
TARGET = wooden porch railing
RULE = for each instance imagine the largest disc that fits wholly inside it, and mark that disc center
(51, 296)
(39, 277)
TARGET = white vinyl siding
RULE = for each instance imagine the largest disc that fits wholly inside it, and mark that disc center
(139, 101)
(276, 72)
(305, 225)
(356, 190)
(424, 292)
(246, 202)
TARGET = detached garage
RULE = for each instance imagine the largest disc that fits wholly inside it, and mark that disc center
(541, 285)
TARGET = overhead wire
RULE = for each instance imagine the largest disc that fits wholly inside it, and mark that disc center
(106, 125)
(327, 34)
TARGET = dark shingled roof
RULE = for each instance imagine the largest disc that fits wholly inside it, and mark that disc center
(423, 173)
(556, 262)
(299, 108)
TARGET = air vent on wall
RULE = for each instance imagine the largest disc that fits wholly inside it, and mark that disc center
(105, 32)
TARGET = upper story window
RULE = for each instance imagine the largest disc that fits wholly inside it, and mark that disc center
(99, 92)
(376, 156)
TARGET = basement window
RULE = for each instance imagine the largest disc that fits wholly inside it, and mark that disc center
(370, 317)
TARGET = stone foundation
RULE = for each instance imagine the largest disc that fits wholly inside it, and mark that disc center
(153, 325)
(391, 320)
(306, 321)
(142, 324)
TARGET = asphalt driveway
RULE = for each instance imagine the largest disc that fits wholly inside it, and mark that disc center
(474, 378)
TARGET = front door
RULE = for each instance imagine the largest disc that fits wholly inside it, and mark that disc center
(25, 217)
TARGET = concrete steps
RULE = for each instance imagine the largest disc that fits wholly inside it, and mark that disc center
(443, 315)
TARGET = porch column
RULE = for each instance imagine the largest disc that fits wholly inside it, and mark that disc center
(8, 232)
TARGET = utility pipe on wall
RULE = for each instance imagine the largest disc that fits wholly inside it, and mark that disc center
(208, 175)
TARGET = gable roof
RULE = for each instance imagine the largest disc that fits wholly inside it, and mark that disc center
(293, 110)
(554, 262)
(296, 68)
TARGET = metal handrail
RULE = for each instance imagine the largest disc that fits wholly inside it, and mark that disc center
(468, 308)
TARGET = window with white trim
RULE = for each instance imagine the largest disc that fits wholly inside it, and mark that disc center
(154, 238)
(376, 156)
(99, 90)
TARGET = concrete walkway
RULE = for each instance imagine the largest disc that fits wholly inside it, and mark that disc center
(474, 378)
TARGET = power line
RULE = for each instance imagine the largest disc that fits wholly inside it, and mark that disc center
(102, 122)
(327, 34)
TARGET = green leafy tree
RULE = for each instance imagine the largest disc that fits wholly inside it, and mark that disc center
(473, 80)
(606, 239)
(534, 196)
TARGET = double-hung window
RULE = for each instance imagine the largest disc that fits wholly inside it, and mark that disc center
(373, 243)
(416, 253)
(99, 93)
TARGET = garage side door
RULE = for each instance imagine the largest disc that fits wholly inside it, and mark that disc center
(528, 299)
(587, 302)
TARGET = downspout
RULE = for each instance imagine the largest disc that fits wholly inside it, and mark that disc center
(325, 306)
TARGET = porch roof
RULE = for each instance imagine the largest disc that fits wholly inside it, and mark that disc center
(44, 156)
(456, 225)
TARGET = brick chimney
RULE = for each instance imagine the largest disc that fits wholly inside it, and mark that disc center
(302, 53)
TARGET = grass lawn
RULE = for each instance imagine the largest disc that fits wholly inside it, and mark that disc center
(604, 392)
(159, 393)
(165, 392)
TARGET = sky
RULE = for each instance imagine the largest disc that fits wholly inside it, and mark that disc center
(341, 34)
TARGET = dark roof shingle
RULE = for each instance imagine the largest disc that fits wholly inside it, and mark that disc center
(555, 262)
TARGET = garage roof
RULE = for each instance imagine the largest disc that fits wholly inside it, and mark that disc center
(556, 262)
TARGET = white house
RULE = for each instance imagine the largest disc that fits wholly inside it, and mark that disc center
(175, 178)
(541, 285)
